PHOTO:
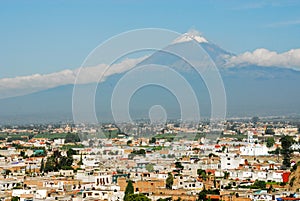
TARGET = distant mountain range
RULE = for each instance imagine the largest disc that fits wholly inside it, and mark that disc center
(251, 90)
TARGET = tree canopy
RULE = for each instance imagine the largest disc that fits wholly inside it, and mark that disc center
(138, 197)
(70, 137)
(286, 143)
(56, 162)
(169, 181)
(128, 191)
(270, 142)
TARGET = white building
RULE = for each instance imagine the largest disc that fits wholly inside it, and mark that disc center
(231, 161)
(187, 182)
(36, 194)
(253, 149)
(103, 195)
(59, 141)
(8, 184)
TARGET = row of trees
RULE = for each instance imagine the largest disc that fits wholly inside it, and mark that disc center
(140, 152)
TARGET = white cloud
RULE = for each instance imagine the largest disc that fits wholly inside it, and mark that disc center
(17, 86)
(10, 87)
(264, 57)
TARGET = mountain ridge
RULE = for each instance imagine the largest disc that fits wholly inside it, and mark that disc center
(251, 90)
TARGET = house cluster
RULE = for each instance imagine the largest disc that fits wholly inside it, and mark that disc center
(225, 168)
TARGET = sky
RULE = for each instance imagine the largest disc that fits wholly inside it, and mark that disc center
(49, 36)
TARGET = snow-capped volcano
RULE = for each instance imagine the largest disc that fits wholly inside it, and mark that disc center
(189, 36)
(218, 55)
(251, 81)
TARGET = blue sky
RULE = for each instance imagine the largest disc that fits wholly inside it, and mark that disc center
(50, 36)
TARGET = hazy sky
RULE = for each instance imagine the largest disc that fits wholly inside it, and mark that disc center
(49, 36)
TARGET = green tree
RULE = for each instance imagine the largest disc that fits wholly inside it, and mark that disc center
(6, 172)
(42, 166)
(204, 192)
(226, 175)
(269, 131)
(276, 151)
(56, 154)
(286, 143)
(202, 174)
(138, 197)
(294, 168)
(65, 163)
(80, 160)
(179, 165)
(128, 191)
(223, 148)
(129, 142)
(200, 171)
(22, 154)
(15, 198)
(70, 137)
(71, 152)
(141, 152)
(212, 155)
(259, 184)
(270, 142)
(270, 189)
(169, 181)
(149, 167)
(51, 164)
(153, 140)
(292, 181)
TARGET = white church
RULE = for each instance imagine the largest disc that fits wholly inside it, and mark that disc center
(252, 149)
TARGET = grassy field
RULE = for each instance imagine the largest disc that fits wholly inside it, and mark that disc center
(4, 134)
(50, 135)
(189, 136)
(238, 137)
(67, 146)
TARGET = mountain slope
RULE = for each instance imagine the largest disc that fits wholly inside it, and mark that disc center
(251, 90)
